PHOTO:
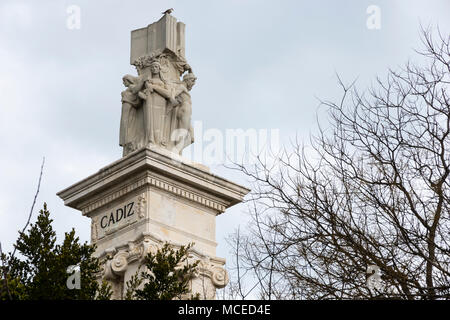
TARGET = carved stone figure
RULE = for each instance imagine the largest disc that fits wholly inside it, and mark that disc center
(131, 125)
(183, 134)
(154, 107)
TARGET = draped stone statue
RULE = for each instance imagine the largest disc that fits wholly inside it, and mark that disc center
(131, 123)
(156, 106)
(183, 135)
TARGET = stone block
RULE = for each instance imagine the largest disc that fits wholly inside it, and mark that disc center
(165, 34)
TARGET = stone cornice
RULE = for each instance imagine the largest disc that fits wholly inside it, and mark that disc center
(159, 183)
(182, 179)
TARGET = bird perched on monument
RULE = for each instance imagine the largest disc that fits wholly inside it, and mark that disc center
(168, 11)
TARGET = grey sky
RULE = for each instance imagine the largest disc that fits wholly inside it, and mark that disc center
(259, 65)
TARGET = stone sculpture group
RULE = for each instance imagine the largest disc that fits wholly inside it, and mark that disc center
(156, 104)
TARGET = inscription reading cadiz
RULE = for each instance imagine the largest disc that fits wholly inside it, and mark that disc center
(116, 216)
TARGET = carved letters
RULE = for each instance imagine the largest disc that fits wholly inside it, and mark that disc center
(108, 220)
(118, 217)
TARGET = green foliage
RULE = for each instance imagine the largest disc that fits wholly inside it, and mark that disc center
(41, 272)
(167, 276)
(132, 285)
(16, 289)
(104, 292)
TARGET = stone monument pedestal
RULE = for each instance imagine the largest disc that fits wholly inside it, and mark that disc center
(150, 197)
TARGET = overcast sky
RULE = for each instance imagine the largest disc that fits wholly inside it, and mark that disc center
(260, 65)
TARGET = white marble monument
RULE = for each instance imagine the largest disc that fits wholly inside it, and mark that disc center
(151, 195)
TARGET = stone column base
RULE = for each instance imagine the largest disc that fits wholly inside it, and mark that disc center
(150, 197)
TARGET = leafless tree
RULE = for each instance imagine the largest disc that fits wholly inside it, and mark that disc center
(371, 192)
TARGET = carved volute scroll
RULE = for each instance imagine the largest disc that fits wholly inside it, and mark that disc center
(116, 262)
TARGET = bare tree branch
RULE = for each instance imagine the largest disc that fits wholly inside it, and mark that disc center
(373, 189)
(11, 257)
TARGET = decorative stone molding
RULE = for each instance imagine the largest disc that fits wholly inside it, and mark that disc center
(186, 194)
(144, 167)
(94, 229)
(119, 263)
(217, 274)
(214, 271)
(161, 184)
(149, 246)
(145, 61)
(135, 252)
(106, 263)
(116, 260)
(141, 206)
(113, 196)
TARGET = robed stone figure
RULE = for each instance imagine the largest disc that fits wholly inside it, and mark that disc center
(131, 122)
